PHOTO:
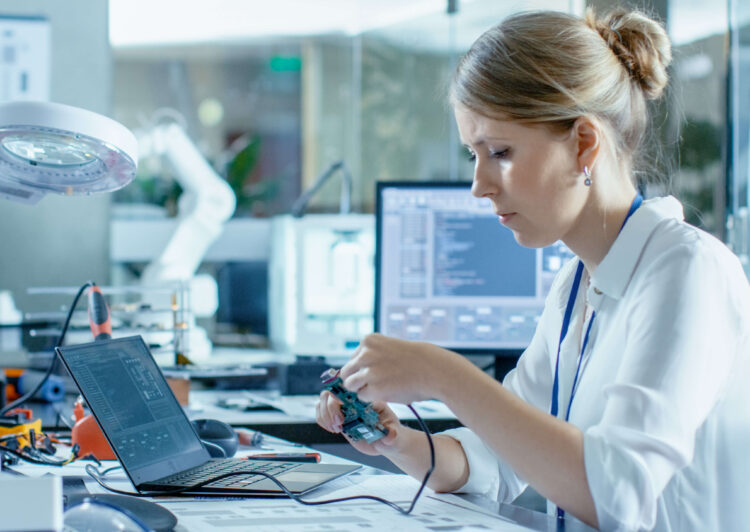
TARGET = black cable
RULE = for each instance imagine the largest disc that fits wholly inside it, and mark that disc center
(110, 469)
(97, 476)
(51, 368)
(432, 459)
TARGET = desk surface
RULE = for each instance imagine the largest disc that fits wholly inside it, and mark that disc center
(432, 512)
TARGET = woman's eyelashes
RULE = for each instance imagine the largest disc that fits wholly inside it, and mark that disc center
(493, 154)
(500, 154)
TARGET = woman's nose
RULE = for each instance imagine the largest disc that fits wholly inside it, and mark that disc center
(482, 185)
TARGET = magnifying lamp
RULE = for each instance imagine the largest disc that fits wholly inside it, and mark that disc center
(50, 147)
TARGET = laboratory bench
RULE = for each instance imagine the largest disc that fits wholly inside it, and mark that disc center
(433, 511)
(292, 418)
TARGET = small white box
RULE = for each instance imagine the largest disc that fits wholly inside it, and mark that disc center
(30, 504)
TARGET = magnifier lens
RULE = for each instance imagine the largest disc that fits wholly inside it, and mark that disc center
(96, 516)
(49, 149)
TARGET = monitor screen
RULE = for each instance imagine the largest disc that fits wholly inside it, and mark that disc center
(448, 273)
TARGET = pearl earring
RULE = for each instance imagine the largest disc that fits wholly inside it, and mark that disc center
(587, 173)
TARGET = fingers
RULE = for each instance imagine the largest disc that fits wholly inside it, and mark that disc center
(369, 345)
(392, 433)
(356, 382)
(328, 412)
(350, 367)
(386, 414)
(364, 372)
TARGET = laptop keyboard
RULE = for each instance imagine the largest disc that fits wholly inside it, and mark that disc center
(215, 468)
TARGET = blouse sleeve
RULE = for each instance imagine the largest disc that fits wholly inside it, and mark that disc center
(531, 380)
(682, 332)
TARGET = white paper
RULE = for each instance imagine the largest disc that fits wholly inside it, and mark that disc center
(432, 512)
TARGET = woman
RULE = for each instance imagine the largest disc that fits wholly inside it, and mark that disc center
(631, 411)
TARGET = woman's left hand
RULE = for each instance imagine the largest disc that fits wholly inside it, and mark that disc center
(400, 371)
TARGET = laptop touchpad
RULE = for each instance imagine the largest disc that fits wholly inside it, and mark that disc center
(303, 476)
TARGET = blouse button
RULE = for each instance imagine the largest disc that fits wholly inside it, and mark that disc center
(597, 291)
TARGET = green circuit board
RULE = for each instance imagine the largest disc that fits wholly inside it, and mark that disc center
(361, 420)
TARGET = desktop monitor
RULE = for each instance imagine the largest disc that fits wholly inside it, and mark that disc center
(448, 273)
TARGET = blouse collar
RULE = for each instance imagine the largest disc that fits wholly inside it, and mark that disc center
(613, 274)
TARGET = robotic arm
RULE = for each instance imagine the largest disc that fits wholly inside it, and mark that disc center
(206, 203)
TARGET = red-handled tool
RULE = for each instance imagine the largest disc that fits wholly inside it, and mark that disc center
(99, 319)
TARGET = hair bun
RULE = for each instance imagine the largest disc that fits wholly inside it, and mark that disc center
(640, 43)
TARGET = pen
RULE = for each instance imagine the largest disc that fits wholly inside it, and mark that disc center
(286, 457)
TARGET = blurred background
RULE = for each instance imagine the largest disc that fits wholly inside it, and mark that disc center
(271, 94)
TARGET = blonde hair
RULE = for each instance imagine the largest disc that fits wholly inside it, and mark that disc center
(552, 68)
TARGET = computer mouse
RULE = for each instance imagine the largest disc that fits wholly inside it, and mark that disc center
(219, 438)
(156, 517)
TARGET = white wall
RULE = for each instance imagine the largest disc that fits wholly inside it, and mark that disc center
(62, 240)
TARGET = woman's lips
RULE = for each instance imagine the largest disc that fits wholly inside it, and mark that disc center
(505, 218)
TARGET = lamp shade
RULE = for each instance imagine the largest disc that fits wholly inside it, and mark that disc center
(50, 147)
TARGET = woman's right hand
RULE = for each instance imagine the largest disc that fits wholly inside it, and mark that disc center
(328, 415)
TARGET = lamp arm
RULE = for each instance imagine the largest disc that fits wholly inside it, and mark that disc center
(345, 205)
(298, 209)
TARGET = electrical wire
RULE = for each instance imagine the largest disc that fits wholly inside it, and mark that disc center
(110, 469)
(32, 393)
(98, 477)
(40, 460)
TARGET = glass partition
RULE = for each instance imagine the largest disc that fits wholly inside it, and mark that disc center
(739, 131)
(395, 123)
(271, 114)
(694, 121)
(239, 104)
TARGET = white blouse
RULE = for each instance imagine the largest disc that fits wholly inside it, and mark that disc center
(663, 398)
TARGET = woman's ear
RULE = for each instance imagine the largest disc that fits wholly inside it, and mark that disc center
(587, 134)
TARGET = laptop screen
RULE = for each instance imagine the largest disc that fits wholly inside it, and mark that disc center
(135, 407)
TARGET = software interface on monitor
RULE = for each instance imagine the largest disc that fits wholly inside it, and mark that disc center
(449, 273)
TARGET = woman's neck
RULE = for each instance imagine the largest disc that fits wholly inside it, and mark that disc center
(599, 224)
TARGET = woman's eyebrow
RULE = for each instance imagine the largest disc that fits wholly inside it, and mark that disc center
(484, 141)
(477, 143)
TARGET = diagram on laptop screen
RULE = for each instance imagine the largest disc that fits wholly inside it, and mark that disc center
(451, 274)
(132, 402)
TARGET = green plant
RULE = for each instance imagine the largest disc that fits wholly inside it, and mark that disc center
(240, 172)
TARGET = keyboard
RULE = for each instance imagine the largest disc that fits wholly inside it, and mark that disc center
(214, 468)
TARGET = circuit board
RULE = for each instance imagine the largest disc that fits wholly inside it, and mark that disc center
(361, 420)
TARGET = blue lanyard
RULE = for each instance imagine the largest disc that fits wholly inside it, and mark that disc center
(564, 331)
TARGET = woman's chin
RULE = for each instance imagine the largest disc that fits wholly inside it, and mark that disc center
(531, 241)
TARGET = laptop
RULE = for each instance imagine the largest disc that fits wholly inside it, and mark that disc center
(151, 435)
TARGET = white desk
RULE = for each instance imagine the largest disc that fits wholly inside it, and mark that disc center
(432, 512)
